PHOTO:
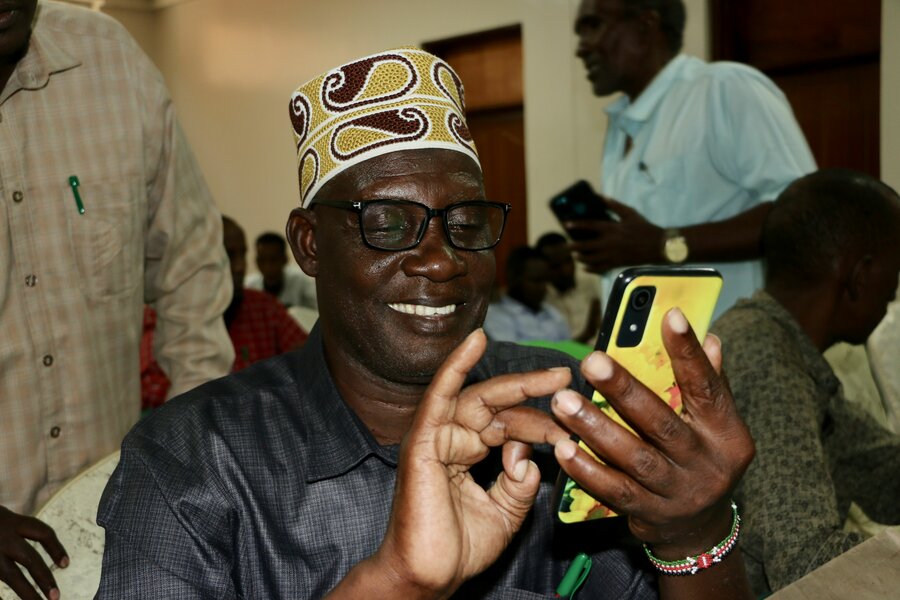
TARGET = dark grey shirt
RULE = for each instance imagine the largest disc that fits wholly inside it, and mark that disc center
(815, 452)
(264, 484)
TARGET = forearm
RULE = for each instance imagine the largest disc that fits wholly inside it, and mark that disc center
(369, 579)
(725, 580)
(734, 239)
(186, 275)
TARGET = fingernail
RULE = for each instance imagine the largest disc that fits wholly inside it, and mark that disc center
(677, 321)
(54, 594)
(559, 369)
(64, 562)
(598, 366)
(520, 469)
(567, 402)
(565, 449)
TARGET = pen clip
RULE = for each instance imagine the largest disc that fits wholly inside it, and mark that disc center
(74, 184)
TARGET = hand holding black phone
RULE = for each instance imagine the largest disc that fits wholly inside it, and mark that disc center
(579, 202)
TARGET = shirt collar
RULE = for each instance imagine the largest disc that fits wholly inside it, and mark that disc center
(632, 115)
(815, 362)
(339, 441)
(43, 58)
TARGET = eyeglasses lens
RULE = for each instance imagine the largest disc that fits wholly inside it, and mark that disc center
(399, 225)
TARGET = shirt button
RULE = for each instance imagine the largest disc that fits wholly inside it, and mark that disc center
(48, 360)
(54, 433)
(18, 196)
(31, 280)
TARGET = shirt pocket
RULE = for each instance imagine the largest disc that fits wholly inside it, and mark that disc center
(661, 187)
(107, 241)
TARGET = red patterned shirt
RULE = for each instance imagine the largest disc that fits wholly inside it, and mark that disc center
(261, 328)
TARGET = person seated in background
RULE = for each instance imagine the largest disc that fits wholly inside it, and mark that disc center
(345, 469)
(279, 276)
(574, 295)
(259, 326)
(521, 313)
(881, 348)
(832, 256)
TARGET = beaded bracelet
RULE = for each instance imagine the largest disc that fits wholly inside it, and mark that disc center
(692, 564)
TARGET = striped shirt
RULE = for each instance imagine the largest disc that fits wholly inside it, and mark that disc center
(85, 102)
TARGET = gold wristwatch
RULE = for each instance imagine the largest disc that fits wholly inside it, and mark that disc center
(675, 247)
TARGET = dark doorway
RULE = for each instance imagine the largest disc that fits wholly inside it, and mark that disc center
(825, 55)
(490, 66)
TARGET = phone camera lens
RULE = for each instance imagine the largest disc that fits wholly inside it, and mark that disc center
(641, 298)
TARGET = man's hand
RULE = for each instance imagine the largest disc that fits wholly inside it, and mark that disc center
(632, 240)
(674, 482)
(15, 529)
(444, 527)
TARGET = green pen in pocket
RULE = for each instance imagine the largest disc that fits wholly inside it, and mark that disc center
(74, 184)
(575, 576)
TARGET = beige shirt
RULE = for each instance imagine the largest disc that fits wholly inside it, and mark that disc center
(86, 102)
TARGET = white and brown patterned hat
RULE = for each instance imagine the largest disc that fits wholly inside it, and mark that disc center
(402, 99)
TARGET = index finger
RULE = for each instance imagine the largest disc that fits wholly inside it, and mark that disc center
(29, 558)
(505, 391)
(595, 225)
(35, 529)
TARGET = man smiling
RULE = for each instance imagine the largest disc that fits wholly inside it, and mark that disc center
(348, 469)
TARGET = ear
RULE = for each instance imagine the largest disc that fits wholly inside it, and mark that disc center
(649, 21)
(301, 235)
(858, 277)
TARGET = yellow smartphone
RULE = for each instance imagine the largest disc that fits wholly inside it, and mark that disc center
(631, 334)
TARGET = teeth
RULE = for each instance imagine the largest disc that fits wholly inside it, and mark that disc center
(423, 311)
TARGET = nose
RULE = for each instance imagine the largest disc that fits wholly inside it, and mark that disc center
(434, 257)
(581, 46)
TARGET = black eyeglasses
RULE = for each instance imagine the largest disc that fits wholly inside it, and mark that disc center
(401, 224)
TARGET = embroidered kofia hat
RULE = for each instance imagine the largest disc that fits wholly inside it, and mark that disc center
(403, 99)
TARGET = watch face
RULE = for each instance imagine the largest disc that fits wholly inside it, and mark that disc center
(676, 249)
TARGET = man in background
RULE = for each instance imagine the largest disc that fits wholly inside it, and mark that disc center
(104, 210)
(258, 325)
(694, 152)
(570, 292)
(832, 257)
(521, 313)
(279, 276)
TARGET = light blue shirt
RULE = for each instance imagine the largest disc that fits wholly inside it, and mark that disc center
(509, 320)
(710, 141)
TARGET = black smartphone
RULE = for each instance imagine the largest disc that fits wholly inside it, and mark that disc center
(579, 202)
(632, 335)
